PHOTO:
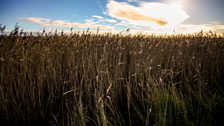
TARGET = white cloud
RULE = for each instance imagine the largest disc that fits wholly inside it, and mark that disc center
(98, 17)
(191, 28)
(118, 26)
(102, 19)
(156, 18)
(151, 14)
(104, 12)
(179, 29)
(34, 20)
(132, 0)
(111, 20)
(62, 23)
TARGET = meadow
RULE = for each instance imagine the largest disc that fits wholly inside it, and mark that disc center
(90, 79)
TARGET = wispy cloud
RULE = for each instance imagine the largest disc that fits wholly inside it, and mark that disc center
(179, 29)
(157, 18)
(147, 13)
(62, 23)
(98, 17)
(132, 0)
(191, 28)
(34, 20)
(116, 26)
(102, 19)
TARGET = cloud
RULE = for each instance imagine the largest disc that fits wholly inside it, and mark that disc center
(111, 20)
(98, 17)
(33, 19)
(62, 23)
(132, 0)
(123, 24)
(179, 29)
(147, 13)
(219, 31)
(102, 19)
(192, 28)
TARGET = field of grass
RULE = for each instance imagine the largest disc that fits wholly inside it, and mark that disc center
(85, 79)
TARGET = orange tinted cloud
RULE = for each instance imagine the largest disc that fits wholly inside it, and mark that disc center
(147, 13)
(62, 23)
(132, 15)
(33, 19)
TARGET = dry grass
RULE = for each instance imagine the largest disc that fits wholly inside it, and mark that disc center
(110, 79)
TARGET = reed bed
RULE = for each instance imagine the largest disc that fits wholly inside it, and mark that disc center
(86, 79)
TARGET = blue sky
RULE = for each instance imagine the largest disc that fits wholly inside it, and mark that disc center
(114, 15)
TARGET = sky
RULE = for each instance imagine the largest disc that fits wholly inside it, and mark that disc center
(153, 16)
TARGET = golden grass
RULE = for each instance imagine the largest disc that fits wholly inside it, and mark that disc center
(110, 79)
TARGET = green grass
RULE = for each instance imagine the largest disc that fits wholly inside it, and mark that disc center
(111, 80)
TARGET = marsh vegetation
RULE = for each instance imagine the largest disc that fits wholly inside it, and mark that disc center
(85, 79)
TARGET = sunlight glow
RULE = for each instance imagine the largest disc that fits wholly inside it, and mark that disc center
(172, 13)
(152, 14)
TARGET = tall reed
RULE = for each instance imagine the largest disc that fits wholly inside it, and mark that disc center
(111, 79)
